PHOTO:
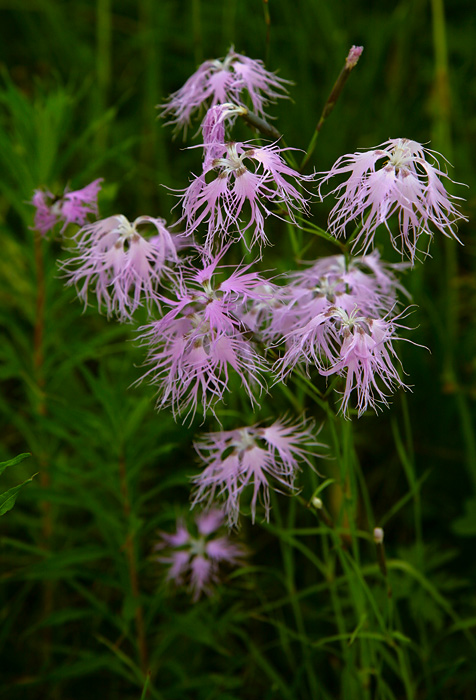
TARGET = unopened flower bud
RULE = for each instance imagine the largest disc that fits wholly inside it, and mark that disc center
(378, 535)
(316, 502)
(353, 57)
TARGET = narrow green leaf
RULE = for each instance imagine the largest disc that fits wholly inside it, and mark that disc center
(12, 462)
(7, 499)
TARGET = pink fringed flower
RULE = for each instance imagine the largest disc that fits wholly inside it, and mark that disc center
(366, 358)
(195, 560)
(363, 282)
(224, 80)
(113, 259)
(243, 181)
(251, 456)
(339, 315)
(196, 344)
(408, 183)
(351, 345)
(70, 208)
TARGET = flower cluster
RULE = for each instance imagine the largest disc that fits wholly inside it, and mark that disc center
(193, 347)
(224, 80)
(250, 456)
(407, 183)
(212, 325)
(112, 258)
(195, 559)
(70, 208)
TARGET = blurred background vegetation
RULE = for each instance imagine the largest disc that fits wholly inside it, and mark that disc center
(83, 610)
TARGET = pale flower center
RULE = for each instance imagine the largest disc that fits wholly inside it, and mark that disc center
(56, 207)
(233, 163)
(246, 440)
(326, 288)
(197, 547)
(225, 64)
(199, 323)
(126, 232)
(210, 293)
(402, 155)
(349, 322)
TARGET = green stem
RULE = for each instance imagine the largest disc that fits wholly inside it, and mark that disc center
(129, 548)
(289, 566)
(267, 21)
(330, 104)
(442, 118)
(103, 64)
(41, 410)
(268, 130)
(229, 21)
(442, 141)
(197, 31)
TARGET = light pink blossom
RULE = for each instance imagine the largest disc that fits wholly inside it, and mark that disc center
(201, 339)
(69, 208)
(340, 315)
(225, 80)
(235, 190)
(251, 456)
(351, 345)
(363, 282)
(115, 261)
(398, 177)
(366, 358)
(196, 558)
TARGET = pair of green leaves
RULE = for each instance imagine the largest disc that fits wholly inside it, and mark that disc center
(8, 498)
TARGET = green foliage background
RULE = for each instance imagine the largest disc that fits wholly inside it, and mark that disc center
(80, 594)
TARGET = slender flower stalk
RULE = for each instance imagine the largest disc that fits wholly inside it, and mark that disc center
(350, 63)
(40, 408)
(407, 183)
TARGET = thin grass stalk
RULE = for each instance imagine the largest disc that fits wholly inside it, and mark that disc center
(327, 109)
(350, 476)
(329, 556)
(229, 21)
(267, 21)
(442, 135)
(41, 410)
(288, 559)
(442, 141)
(197, 31)
(103, 65)
(153, 154)
(343, 451)
(129, 548)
